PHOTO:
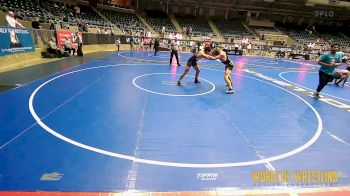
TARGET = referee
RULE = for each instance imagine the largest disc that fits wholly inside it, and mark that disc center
(174, 51)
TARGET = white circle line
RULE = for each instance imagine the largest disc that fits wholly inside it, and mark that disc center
(274, 67)
(250, 63)
(167, 94)
(174, 164)
(162, 55)
(281, 76)
(301, 63)
(256, 61)
(119, 54)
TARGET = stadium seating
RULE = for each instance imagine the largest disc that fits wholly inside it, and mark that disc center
(125, 21)
(323, 36)
(232, 29)
(24, 8)
(200, 27)
(88, 16)
(158, 23)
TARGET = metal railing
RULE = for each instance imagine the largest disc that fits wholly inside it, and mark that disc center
(41, 37)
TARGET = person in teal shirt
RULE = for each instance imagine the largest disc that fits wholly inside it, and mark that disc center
(328, 61)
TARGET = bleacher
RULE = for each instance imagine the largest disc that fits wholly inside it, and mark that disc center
(158, 19)
(200, 27)
(328, 35)
(322, 36)
(158, 23)
(265, 30)
(24, 8)
(125, 21)
(88, 16)
(232, 29)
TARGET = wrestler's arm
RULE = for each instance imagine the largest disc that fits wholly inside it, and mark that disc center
(209, 57)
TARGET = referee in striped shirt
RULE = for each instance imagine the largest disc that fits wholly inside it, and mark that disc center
(174, 51)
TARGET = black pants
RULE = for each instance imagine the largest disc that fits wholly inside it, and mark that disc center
(236, 50)
(324, 79)
(80, 50)
(57, 52)
(174, 52)
(156, 49)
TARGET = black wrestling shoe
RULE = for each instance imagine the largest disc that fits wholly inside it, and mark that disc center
(316, 95)
(230, 91)
(197, 81)
(178, 83)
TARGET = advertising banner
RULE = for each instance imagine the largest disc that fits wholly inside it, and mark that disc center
(62, 35)
(15, 40)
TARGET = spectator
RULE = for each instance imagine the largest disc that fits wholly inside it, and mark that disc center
(52, 25)
(79, 40)
(156, 46)
(53, 49)
(284, 42)
(68, 46)
(249, 48)
(189, 34)
(37, 32)
(163, 31)
(85, 28)
(117, 43)
(65, 18)
(150, 43)
(131, 43)
(77, 10)
(36, 23)
(236, 48)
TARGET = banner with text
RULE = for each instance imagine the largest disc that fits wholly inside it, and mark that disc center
(72, 37)
(15, 40)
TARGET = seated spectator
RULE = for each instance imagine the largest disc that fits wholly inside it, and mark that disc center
(77, 10)
(65, 18)
(53, 49)
(68, 46)
(341, 75)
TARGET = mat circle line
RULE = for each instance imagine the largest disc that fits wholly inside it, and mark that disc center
(173, 164)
